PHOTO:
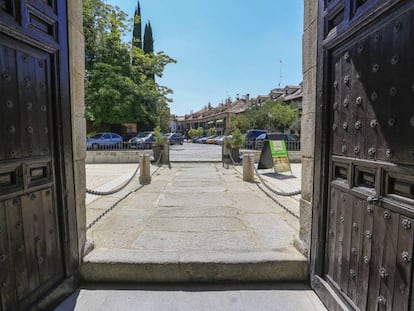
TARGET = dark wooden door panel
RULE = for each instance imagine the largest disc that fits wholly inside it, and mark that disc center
(28, 173)
(333, 235)
(36, 187)
(8, 292)
(403, 283)
(357, 239)
(367, 221)
(369, 91)
(25, 116)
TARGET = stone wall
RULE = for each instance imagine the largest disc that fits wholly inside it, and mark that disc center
(309, 50)
(76, 72)
(100, 157)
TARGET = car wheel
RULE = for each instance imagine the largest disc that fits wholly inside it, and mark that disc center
(181, 142)
(95, 146)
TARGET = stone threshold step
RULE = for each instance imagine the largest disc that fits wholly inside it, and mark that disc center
(126, 265)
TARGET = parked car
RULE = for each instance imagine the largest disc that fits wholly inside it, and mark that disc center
(142, 140)
(174, 138)
(250, 138)
(104, 140)
(258, 144)
(273, 136)
(219, 140)
(127, 136)
(211, 140)
(203, 140)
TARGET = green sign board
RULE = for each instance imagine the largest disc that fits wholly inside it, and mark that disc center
(275, 155)
(279, 155)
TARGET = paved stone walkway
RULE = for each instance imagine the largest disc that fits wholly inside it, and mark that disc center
(198, 222)
(252, 297)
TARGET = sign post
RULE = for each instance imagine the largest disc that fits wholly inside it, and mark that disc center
(275, 155)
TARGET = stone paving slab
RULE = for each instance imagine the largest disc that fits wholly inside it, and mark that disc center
(187, 223)
(229, 297)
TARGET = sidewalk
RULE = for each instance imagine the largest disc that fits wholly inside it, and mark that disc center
(195, 222)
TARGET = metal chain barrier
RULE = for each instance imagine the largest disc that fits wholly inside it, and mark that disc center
(108, 210)
(232, 160)
(280, 204)
(97, 219)
(285, 194)
(274, 191)
(159, 159)
(94, 192)
(277, 193)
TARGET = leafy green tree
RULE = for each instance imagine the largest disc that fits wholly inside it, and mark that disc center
(117, 87)
(272, 115)
(212, 131)
(200, 131)
(192, 132)
(94, 25)
(258, 117)
(295, 125)
(281, 115)
(240, 121)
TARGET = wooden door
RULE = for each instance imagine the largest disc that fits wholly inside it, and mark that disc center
(363, 234)
(38, 248)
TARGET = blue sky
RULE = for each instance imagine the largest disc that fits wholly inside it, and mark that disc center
(224, 47)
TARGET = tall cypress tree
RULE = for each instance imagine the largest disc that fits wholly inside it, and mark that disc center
(148, 40)
(137, 31)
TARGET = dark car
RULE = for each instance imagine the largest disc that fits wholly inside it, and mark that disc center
(250, 138)
(174, 138)
(291, 141)
(143, 140)
(104, 140)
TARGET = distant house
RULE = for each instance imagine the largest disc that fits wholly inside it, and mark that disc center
(220, 117)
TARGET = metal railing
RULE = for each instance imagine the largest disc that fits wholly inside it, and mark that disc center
(291, 145)
(118, 146)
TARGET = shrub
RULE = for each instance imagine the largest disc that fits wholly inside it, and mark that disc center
(159, 140)
(237, 138)
(212, 131)
(192, 132)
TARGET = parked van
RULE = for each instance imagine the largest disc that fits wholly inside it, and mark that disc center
(251, 136)
(292, 142)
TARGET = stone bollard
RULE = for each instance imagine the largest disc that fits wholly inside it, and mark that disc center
(225, 158)
(144, 172)
(248, 169)
(165, 158)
